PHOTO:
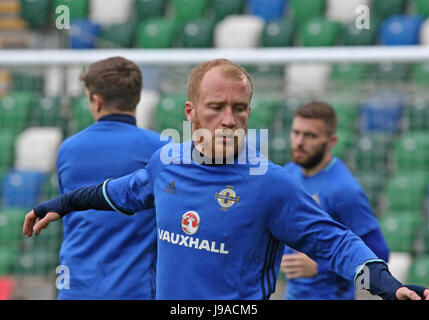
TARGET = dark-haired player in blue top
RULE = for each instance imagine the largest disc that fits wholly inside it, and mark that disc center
(331, 184)
(221, 226)
(108, 255)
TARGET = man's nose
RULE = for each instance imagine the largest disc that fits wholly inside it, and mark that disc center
(228, 120)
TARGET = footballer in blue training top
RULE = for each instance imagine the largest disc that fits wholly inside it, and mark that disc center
(330, 183)
(221, 227)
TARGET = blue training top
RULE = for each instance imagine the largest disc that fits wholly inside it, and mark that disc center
(109, 255)
(221, 229)
(339, 194)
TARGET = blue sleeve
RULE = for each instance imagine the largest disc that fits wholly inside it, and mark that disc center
(297, 220)
(131, 193)
(352, 209)
(376, 242)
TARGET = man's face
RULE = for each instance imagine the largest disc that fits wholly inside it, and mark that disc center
(309, 141)
(222, 109)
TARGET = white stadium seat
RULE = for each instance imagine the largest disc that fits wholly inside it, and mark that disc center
(344, 11)
(54, 81)
(399, 264)
(239, 31)
(424, 33)
(36, 148)
(108, 12)
(306, 78)
(146, 107)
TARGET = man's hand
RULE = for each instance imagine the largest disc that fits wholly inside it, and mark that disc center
(33, 223)
(298, 265)
(403, 293)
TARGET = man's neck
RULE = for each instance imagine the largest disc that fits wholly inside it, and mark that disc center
(319, 167)
(104, 113)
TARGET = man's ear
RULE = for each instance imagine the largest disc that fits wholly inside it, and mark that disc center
(333, 140)
(189, 111)
(98, 102)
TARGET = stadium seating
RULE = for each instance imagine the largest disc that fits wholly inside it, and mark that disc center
(156, 33)
(224, 8)
(419, 271)
(50, 188)
(81, 116)
(399, 265)
(36, 149)
(406, 190)
(424, 33)
(401, 30)
(400, 231)
(302, 10)
(372, 183)
(169, 112)
(21, 189)
(384, 9)
(79, 9)
(47, 113)
(83, 34)
(7, 144)
(118, 36)
(345, 141)
(416, 115)
(240, 31)
(420, 73)
(26, 81)
(8, 257)
(372, 152)
(319, 32)
(186, 10)
(146, 108)
(353, 36)
(421, 7)
(279, 147)
(15, 110)
(36, 13)
(198, 34)
(108, 12)
(348, 73)
(382, 112)
(149, 8)
(267, 9)
(278, 33)
(36, 262)
(412, 151)
(11, 227)
(344, 11)
(306, 79)
(262, 113)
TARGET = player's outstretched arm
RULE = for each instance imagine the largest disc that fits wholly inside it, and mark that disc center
(31, 224)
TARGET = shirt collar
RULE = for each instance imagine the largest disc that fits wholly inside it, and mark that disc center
(120, 117)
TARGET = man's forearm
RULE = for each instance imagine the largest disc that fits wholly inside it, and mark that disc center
(78, 200)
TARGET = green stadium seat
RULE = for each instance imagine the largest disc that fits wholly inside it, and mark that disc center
(416, 116)
(118, 35)
(391, 72)
(425, 236)
(373, 183)
(419, 271)
(279, 147)
(7, 144)
(23, 81)
(346, 114)
(147, 9)
(79, 9)
(8, 257)
(40, 262)
(384, 9)
(306, 9)
(346, 73)
(400, 231)
(223, 8)
(406, 191)
(261, 113)
(36, 13)
(169, 113)
(198, 34)
(186, 10)
(156, 33)
(11, 227)
(81, 115)
(15, 110)
(47, 113)
(411, 151)
(50, 188)
(319, 32)
(278, 33)
(421, 7)
(372, 152)
(353, 36)
(421, 74)
(345, 141)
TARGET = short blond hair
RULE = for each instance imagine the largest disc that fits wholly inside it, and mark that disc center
(229, 69)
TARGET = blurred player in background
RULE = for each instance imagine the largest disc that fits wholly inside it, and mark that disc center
(330, 183)
(109, 255)
(221, 232)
